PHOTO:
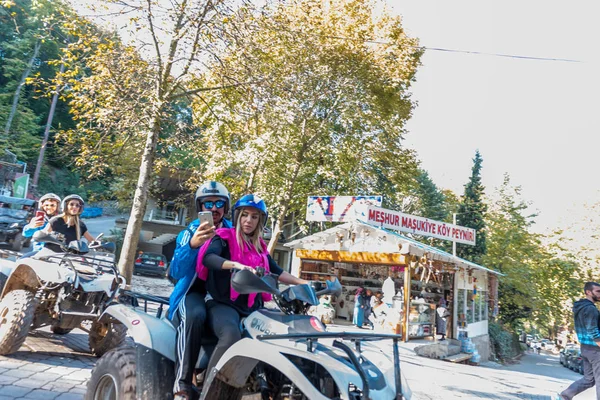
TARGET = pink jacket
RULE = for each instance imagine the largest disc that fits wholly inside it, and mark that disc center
(248, 256)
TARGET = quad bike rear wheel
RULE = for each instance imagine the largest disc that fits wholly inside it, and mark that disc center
(114, 376)
(16, 314)
(106, 335)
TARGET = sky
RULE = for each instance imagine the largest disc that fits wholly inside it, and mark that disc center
(536, 120)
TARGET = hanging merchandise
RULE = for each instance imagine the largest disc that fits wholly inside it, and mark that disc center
(389, 290)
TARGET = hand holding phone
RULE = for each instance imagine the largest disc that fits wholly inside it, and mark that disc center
(203, 232)
(39, 218)
(206, 216)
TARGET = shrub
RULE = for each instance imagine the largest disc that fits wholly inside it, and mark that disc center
(504, 343)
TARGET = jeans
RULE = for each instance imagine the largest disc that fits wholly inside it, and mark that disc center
(225, 323)
(591, 373)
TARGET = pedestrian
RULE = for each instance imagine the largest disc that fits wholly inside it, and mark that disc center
(441, 318)
(234, 249)
(368, 295)
(587, 317)
(359, 308)
(187, 308)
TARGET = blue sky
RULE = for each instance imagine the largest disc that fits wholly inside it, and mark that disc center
(536, 120)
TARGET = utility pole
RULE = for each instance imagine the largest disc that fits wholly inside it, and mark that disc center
(454, 241)
(40, 161)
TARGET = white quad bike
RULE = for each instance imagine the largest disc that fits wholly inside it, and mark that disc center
(61, 289)
(282, 355)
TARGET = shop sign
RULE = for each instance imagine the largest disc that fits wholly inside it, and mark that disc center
(337, 208)
(20, 185)
(398, 221)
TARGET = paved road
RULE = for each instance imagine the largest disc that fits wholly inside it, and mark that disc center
(52, 367)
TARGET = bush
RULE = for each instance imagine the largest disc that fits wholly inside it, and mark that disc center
(504, 344)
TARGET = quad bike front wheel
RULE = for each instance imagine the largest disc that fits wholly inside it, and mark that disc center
(105, 336)
(17, 244)
(60, 331)
(114, 376)
(16, 314)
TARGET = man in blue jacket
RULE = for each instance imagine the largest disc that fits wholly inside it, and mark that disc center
(587, 318)
(187, 309)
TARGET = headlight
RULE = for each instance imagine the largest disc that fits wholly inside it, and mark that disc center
(15, 225)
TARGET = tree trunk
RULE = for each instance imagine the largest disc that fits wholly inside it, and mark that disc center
(13, 110)
(40, 161)
(288, 193)
(134, 226)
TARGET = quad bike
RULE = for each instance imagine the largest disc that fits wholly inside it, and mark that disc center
(61, 289)
(282, 354)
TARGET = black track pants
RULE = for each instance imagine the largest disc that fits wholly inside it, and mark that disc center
(225, 323)
(189, 319)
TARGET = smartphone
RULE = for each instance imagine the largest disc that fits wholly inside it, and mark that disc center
(40, 214)
(206, 216)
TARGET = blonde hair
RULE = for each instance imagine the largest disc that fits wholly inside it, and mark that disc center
(254, 238)
(72, 220)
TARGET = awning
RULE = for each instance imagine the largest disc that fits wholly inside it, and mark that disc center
(356, 236)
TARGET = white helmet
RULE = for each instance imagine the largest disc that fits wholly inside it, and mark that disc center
(49, 196)
(72, 197)
(211, 189)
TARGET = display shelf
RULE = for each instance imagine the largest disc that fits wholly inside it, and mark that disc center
(421, 317)
(318, 273)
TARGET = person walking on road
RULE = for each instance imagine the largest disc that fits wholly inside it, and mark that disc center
(587, 318)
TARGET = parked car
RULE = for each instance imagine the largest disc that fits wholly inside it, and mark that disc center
(567, 352)
(15, 213)
(547, 344)
(575, 362)
(151, 264)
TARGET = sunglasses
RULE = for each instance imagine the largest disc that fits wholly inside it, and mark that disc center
(210, 204)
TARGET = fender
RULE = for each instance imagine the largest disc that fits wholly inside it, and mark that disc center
(146, 330)
(30, 275)
(22, 277)
(239, 360)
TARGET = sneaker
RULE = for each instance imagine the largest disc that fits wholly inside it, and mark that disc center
(559, 396)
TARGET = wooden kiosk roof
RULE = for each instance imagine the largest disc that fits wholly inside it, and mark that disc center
(357, 242)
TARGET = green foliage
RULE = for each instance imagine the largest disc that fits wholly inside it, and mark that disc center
(64, 182)
(504, 343)
(539, 283)
(322, 115)
(432, 200)
(471, 213)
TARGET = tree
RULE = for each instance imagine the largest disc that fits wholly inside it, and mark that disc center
(432, 200)
(538, 282)
(471, 213)
(123, 96)
(326, 111)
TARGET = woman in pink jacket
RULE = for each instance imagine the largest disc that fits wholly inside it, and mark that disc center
(241, 247)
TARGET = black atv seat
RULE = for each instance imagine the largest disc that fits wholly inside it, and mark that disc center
(296, 323)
